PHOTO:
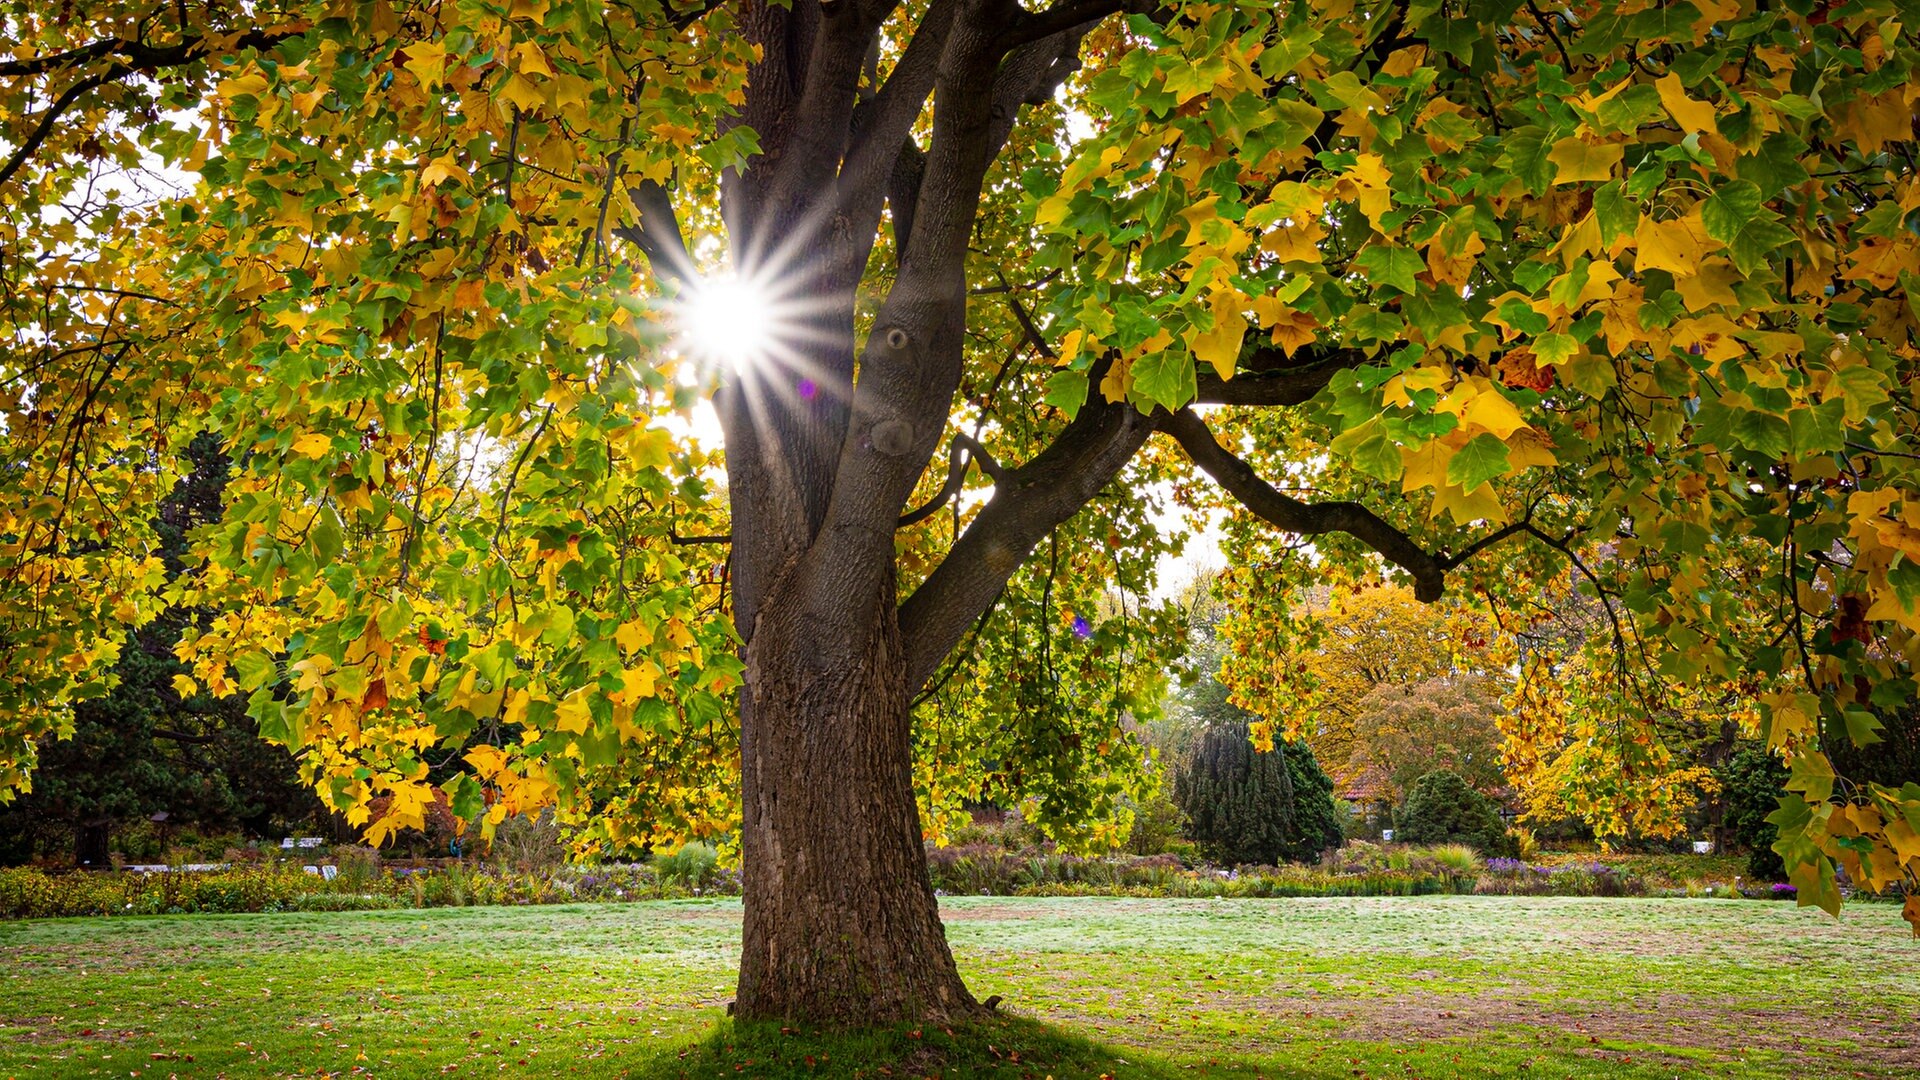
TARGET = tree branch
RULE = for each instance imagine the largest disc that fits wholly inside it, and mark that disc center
(657, 234)
(1306, 519)
(1028, 503)
(135, 57)
(1032, 26)
(1267, 377)
(956, 473)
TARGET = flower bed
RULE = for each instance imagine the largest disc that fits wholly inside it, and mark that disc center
(31, 893)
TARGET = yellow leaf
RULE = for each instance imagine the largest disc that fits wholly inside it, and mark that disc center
(1425, 465)
(1529, 448)
(637, 682)
(1675, 246)
(1691, 115)
(185, 686)
(1476, 401)
(1220, 346)
(521, 93)
(249, 85)
(633, 636)
(1398, 389)
(427, 60)
(441, 169)
(1367, 182)
(312, 444)
(531, 61)
(572, 715)
(1482, 503)
(1579, 160)
(679, 135)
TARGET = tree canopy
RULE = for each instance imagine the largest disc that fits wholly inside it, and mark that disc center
(1619, 289)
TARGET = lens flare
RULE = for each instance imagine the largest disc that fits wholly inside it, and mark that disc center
(728, 320)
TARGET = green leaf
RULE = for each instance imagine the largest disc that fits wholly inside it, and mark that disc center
(1860, 388)
(1483, 458)
(1551, 349)
(1395, 266)
(256, 669)
(1863, 728)
(465, 797)
(1165, 378)
(1370, 450)
(1520, 315)
(1066, 390)
(326, 536)
(1729, 208)
(1685, 537)
(394, 619)
(1763, 433)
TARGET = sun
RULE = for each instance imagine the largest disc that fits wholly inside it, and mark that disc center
(728, 320)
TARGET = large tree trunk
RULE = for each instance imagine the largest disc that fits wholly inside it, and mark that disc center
(841, 923)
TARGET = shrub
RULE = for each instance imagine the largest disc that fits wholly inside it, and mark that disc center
(1157, 823)
(530, 842)
(1442, 808)
(1249, 806)
(1458, 859)
(692, 867)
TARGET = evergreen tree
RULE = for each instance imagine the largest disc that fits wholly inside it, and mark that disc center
(1442, 808)
(1245, 805)
(1750, 785)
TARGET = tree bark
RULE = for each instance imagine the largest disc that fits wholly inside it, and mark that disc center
(842, 927)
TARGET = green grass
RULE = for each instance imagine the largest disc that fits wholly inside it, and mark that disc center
(1401, 987)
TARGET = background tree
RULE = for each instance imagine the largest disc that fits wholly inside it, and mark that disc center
(1596, 737)
(1750, 782)
(1442, 808)
(144, 748)
(1406, 732)
(1248, 805)
(1457, 278)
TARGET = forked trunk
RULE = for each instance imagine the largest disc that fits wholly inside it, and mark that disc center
(841, 923)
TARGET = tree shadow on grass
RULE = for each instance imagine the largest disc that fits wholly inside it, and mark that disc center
(1005, 1047)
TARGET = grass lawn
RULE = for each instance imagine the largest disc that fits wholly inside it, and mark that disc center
(1400, 987)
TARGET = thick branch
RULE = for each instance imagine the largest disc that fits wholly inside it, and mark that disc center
(1032, 26)
(1027, 504)
(822, 124)
(657, 234)
(138, 55)
(1267, 377)
(1307, 519)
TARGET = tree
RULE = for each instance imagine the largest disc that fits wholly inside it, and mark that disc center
(1751, 782)
(1460, 278)
(1322, 669)
(145, 748)
(1248, 805)
(1442, 808)
(1406, 732)
(1247, 797)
